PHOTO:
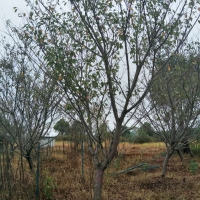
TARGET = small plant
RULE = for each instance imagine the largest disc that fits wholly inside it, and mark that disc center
(163, 154)
(117, 164)
(195, 149)
(193, 167)
(49, 185)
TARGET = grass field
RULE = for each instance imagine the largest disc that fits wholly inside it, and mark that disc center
(62, 174)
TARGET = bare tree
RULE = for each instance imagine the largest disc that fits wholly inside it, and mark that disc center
(28, 101)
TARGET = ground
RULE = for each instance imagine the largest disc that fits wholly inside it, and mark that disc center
(62, 176)
(182, 182)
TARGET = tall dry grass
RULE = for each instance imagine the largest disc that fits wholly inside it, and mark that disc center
(61, 175)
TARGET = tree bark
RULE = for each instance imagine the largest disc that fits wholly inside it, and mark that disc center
(98, 178)
(167, 157)
(30, 162)
(180, 155)
(12, 149)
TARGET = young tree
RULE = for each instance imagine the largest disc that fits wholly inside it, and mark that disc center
(77, 133)
(173, 103)
(101, 52)
(27, 101)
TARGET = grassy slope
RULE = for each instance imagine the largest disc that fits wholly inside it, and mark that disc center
(65, 169)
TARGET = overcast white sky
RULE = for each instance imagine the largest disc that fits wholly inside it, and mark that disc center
(7, 11)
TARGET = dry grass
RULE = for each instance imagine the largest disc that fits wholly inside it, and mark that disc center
(65, 169)
(61, 176)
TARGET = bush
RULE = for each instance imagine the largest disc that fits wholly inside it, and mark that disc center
(129, 139)
(195, 149)
(63, 138)
(139, 139)
(193, 167)
(143, 139)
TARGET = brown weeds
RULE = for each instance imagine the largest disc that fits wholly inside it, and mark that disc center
(61, 175)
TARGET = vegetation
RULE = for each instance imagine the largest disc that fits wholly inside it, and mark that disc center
(28, 103)
(62, 127)
(173, 101)
(94, 62)
(73, 133)
(58, 170)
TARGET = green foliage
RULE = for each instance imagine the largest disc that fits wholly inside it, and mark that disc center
(174, 96)
(77, 127)
(48, 186)
(103, 132)
(193, 167)
(181, 74)
(125, 131)
(146, 134)
(195, 148)
(147, 129)
(104, 55)
(85, 46)
(75, 134)
(143, 138)
(117, 164)
(63, 138)
(163, 154)
(62, 127)
(129, 138)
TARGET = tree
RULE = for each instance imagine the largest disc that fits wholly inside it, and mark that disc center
(101, 52)
(77, 133)
(142, 136)
(173, 103)
(62, 126)
(27, 101)
(147, 129)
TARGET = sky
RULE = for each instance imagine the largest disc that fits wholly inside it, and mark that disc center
(7, 11)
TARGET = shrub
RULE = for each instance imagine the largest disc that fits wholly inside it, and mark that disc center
(195, 149)
(143, 139)
(49, 186)
(193, 167)
(129, 139)
(63, 138)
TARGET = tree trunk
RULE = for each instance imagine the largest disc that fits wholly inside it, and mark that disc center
(12, 150)
(164, 169)
(190, 152)
(180, 155)
(30, 162)
(98, 178)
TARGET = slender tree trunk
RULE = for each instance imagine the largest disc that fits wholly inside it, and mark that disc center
(98, 178)
(12, 150)
(167, 157)
(30, 162)
(190, 152)
(8, 171)
(99, 169)
(180, 155)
